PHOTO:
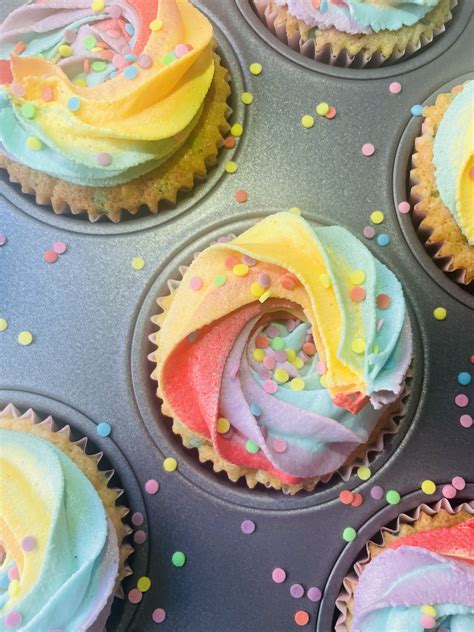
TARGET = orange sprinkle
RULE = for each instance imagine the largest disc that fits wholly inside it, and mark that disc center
(357, 499)
(241, 196)
(19, 48)
(107, 54)
(301, 617)
(231, 261)
(261, 342)
(229, 142)
(309, 348)
(331, 113)
(102, 45)
(346, 497)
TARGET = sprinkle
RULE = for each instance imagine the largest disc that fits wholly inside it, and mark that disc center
(278, 575)
(357, 294)
(73, 104)
(281, 376)
(416, 110)
(264, 280)
(277, 343)
(265, 296)
(34, 143)
(13, 619)
(139, 537)
(369, 232)
(19, 48)
(322, 109)
(28, 110)
(104, 159)
(18, 90)
(392, 497)
(104, 429)
(246, 98)
(130, 72)
(364, 473)
(346, 497)
(97, 5)
(156, 25)
(28, 543)
(137, 519)
(280, 446)
(296, 591)
(135, 596)
(251, 446)
(395, 87)
(247, 527)
(65, 50)
(195, 283)
(466, 421)
(25, 338)
(138, 263)
(297, 384)
(321, 368)
(158, 615)
(168, 59)
(449, 491)
(145, 61)
(240, 270)
(464, 378)
(297, 363)
(3, 324)
(325, 280)
(357, 500)
(223, 425)
(404, 207)
(358, 345)
(357, 277)
(428, 487)
(170, 464)
(368, 149)
(144, 584)
(256, 69)
(219, 280)
(383, 301)
(377, 217)
(59, 247)
(229, 142)
(331, 113)
(152, 486)
(99, 66)
(440, 313)
(231, 167)
(461, 400)
(427, 622)
(314, 593)
(349, 534)
(269, 386)
(178, 559)
(307, 121)
(383, 239)
(237, 130)
(458, 483)
(301, 618)
(428, 610)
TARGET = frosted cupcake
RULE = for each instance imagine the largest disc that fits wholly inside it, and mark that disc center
(109, 105)
(62, 555)
(355, 33)
(443, 183)
(282, 354)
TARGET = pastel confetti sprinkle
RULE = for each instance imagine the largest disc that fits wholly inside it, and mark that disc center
(3, 324)
(73, 104)
(256, 69)
(139, 537)
(368, 232)
(357, 500)
(322, 109)
(3, 239)
(377, 492)
(152, 486)
(364, 473)
(25, 338)
(440, 313)
(178, 559)
(50, 256)
(383, 240)
(461, 400)
(28, 110)
(357, 277)
(104, 429)
(240, 270)
(145, 61)
(428, 622)
(18, 90)
(144, 584)
(231, 167)
(158, 615)
(314, 593)
(416, 110)
(247, 527)
(307, 121)
(280, 446)
(251, 447)
(237, 130)
(229, 142)
(278, 575)
(138, 263)
(404, 207)
(195, 283)
(349, 534)
(358, 345)
(13, 619)
(331, 113)
(156, 25)
(246, 98)
(130, 72)
(28, 543)
(137, 519)
(34, 143)
(219, 280)
(428, 487)
(346, 497)
(392, 497)
(458, 483)
(241, 196)
(466, 421)
(135, 596)
(464, 378)
(301, 618)
(296, 591)
(368, 149)
(395, 87)
(59, 247)
(104, 159)
(377, 217)
(429, 610)
(170, 464)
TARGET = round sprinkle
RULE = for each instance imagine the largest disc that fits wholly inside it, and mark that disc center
(34, 143)
(357, 294)
(28, 110)
(458, 483)
(429, 610)
(229, 142)
(13, 619)
(97, 5)
(301, 618)
(104, 159)
(349, 534)
(139, 537)
(138, 263)
(461, 400)
(144, 584)
(73, 104)
(314, 593)
(25, 338)
(255, 409)
(50, 256)
(240, 270)
(59, 247)
(170, 464)
(440, 313)
(156, 25)
(251, 446)
(223, 425)
(395, 87)
(322, 109)
(281, 376)
(247, 527)
(296, 591)
(278, 575)
(195, 283)
(237, 130)
(404, 207)
(364, 473)
(135, 596)
(241, 196)
(428, 487)
(392, 497)
(464, 378)
(246, 98)
(357, 500)
(158, 615)
(130, 72)
(264, 280)
(99, 66)
(331, 113)
(3, 239)
(137, 519)
(377, 217)
(178, 559)
(258, 355)
(145, 61)
(383, 301)
(307, 121)
(368, 149)
(280, 446)
(89, 42)
(297, 384)
(3, 324)
(357, 277)
(449, 491)
(428, 622)
(277, 343)
(383, 239)
(28, 543)
(358, 345)
(376, 492)
(231, 167)
(104, 429)
(369, 232)
(346, 497)
(416, 110)
(466, 421)
(65, 50)
(152, 486)
(269, 386)
(219, 280)
(256, 69)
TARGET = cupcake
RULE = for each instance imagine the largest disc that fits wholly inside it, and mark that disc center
(355, 33)
(442, 180)
(282, 354)
(420, 578)
(62, 552)
(107, 106)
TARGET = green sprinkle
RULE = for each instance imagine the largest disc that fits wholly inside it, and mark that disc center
(89, 42)
(251, 447)
(349, 534)
(219, 280)
(168, 59)
(277, 343)
(28, 110)
(99, 66)
(392, 497)
(178, 559)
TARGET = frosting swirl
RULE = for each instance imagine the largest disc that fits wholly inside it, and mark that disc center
(60, 555)
(100, 93)
(283, 346)
(429, 567)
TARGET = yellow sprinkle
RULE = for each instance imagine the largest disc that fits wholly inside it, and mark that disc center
(223, 425)
(357, 277)
(375, 349)
(257, 290)
(97, 5)
(3, 324)
(96, 49)
(297, 384)
(25, 338)
(364, 473)
(281, 376)
(34, 143)
(236, 130)
(256, 69)
(65, 50)
(322, 380)
(13, 587)
(258, 355)
(377, 217)
(80, 82)
(322, 109)
(295, 210)
(429, 611)
(144, 584)
(156, 25)
(170, 464)
(291, 353)
(307, 121)
(440, 313)
(138, 263)
(325, 280)
(240, 270)
(246, 98)
(358, 345)
(428, 487)
(297, 363)
(264, 296)
(231, 167)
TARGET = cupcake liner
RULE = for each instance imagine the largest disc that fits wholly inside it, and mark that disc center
(330, 46)
(423, 518)
(435, 225)
(386, 425)
(178, 173)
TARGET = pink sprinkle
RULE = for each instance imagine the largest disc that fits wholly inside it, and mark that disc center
(137, 518)
(18, 90)
(461, 400)
(47, 94)
(269, 362)
(331, 113)
(458, 483)
(249, 261)
(466, 421)
(247, 527)
(139, 537)
(279, 445)
(281, 355)
(269, 386)
(264, 280)
(321, 368)
(159, 615)
(449, 491)
(152, 486)
(272, 332)
(428, 622)
(13, 619)
(181, 50)
(59, 247)
(404, 207)
(104, 159)
(395, 87)
(290, 325)
(314, 593)
(118, 61)
(115, 11)
(145, 61)
(368, 149)
(3, 239)
(50, 256)
(223, 239)
(369, 232)
(376, 492)
(278, 575)
(264, 373)
(28, 543)
(135, 596)
(13, 573)
(195, 283)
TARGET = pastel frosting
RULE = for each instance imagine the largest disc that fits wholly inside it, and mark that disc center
(359, 16)
(106, 95)
(59, 555)
(453, 157)
(434, 568)
(296, 337)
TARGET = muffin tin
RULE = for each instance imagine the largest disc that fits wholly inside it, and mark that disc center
(90, 317)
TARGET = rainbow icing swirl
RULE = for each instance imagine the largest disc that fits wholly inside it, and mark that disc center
(59, 555)
(283, 347)
(99, 93)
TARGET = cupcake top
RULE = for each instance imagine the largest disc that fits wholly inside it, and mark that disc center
(100, 92)
(453, 157)
(424, 580)
(359, 16)
(59, 554)
(283, 346)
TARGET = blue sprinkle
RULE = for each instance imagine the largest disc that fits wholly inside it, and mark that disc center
(104, 429)
(416, 110)
(130, 72)
(130, 30)
(464, 378)
(383, 239)
(255, 409)
(130, 57)
(74, 104)
(323, 7)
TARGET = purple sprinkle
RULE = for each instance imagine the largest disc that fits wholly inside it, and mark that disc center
(3, 239)
(137, 519)
(139, 537)
(314, 593)
(247, 527)
(158, 615)
(264, 373)
(290, 325)
(278, 575)
(281, 355)
(376, 492)
(264, 280)
(104, 159)
(115, 11)
(145, 61)
(28, 543)
(369, 232)
(70, 36)
(296, 591)
(249, 261)
(272, 332)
